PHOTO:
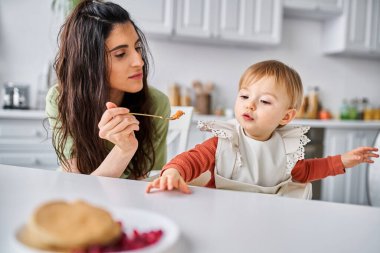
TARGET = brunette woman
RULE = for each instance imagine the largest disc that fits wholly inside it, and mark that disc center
(102, 69)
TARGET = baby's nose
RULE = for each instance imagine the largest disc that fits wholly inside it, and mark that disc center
(251, 105)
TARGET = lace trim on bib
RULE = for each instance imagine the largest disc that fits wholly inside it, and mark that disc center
(295, 155)
(228, 132)
(209, 127)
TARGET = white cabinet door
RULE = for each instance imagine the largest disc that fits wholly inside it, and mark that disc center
(364, 26)
(351, 186)
(313, 9)
(226, 21)
(330, 5)
(31, 160)
(356, 32)
(359, 25)
(26, 142)
(151, 16)
(327, 5)
(375, 40)
(257, 21)
(194, 18)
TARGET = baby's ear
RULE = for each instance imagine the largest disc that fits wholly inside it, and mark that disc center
(289, 116)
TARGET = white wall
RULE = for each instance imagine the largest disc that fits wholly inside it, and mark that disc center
(28, 32)
(337, 77)
(28, 41)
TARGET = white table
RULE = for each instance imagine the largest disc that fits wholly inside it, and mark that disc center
(210, 220)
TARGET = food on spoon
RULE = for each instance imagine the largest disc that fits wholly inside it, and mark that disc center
(177, 115)
(80, 227)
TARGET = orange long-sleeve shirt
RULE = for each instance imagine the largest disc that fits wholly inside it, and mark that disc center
(201, 158)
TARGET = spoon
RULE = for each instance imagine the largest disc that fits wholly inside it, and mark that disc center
(175, 116)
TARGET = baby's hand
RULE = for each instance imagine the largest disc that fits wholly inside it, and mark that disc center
(359, 155)
(170, 180)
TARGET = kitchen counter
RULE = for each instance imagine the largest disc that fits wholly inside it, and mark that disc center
(209, 220)
(371, 124)
(22, 114)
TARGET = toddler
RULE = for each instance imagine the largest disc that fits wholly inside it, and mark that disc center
(258, 151)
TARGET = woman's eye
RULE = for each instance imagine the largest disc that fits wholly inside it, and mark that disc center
(265, 102)
(139, 49)
(243, 97)
(119, 55)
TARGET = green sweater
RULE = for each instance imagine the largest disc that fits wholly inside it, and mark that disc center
(161, 107)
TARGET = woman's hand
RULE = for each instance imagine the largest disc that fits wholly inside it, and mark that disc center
(359, 155)
(118, 126)
(169, 180)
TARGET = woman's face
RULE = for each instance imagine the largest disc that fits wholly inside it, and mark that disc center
(124, 59)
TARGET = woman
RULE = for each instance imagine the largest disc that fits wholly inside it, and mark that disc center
(102, 70)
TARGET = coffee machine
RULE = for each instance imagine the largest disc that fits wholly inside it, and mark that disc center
(15, 96)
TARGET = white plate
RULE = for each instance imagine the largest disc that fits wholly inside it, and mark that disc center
(144, 220)
(131, 218)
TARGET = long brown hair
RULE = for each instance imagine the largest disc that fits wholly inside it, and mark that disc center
(83, 85)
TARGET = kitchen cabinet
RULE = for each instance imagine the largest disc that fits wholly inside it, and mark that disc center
(196, 18)
(253, 22)
(375, 23)
(356, 32)
(153, 17)
(230, 21)
(313, 9)
(24, 141)
(350, 187)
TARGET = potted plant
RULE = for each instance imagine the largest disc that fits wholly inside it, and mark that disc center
(64, 6)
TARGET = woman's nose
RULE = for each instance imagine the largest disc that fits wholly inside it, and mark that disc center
(137, 60)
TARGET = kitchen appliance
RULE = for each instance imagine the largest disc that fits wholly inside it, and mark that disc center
(16, 96)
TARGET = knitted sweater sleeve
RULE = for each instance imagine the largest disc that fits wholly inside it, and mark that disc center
(308, 170)
(192, 163)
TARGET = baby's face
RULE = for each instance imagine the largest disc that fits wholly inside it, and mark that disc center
(261, 107)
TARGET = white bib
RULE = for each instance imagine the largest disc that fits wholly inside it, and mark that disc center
(242, 163)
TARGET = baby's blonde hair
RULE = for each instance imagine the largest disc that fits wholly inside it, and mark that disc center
(282, 74)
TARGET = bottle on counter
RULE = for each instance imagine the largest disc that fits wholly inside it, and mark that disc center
(186, 97)
(301, 113)
(344, 108)
(174, 95)
(313, 104)
(361, 108)
(16, 97)
(353, 109)
(368, 113)
(203, 97)
(376, 113)
(7, 101)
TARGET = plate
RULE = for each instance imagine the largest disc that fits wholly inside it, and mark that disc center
(131, 218)
(143, 221)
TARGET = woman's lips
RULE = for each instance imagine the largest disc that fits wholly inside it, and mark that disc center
(137, 76)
